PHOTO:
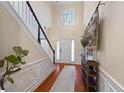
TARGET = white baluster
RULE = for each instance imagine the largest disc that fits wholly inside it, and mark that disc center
(28, 17)
(20, 8)
(36, 30)
(24, 12)
(31, 18)
(33, 25)
(11, 3)
(16, 6)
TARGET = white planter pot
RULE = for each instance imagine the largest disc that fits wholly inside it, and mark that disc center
(2, 90)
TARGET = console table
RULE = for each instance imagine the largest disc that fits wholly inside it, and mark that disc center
(90, 74)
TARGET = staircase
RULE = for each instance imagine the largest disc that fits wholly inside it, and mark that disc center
(38, 69)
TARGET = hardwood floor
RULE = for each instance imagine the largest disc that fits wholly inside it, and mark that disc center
(47, 84)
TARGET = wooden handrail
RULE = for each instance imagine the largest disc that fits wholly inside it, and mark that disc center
(40, 27)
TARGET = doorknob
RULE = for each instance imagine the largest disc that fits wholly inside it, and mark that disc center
(60, 50)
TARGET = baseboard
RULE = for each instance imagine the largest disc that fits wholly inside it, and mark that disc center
(107, 83)
(71, 63)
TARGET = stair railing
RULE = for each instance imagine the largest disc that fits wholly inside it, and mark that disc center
(25, 11)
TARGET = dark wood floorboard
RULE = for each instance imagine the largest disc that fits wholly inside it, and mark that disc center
(47, 84)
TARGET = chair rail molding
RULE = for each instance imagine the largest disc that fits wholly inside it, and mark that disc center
(107, 83)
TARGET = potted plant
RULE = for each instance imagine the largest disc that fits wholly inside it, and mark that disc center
(11, 64)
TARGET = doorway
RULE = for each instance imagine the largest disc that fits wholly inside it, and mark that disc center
(65, 51)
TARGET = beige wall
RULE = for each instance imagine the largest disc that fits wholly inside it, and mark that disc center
(43, 11)
(58, 32)
(89, 6)
(111, 50)
(11, 34)
(38, 66)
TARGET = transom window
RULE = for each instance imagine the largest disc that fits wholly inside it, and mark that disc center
(68, 17)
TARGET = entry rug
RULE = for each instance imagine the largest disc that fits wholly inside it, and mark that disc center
(65, 81)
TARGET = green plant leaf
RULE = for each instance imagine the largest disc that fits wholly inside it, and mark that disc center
(25, 52)
(18, 51)
(11, 80)
(16, 62)
(11, 58)
(1, 63)
(19, 58)
(13, 61)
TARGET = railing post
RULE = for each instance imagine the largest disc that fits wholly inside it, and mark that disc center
(39, 39)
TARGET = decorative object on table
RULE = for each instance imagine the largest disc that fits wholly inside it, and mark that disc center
(91, 51)
(11, 64)
(89, 41)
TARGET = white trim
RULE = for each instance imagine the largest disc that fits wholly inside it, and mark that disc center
(100, 75)
(58, 50)
(110, 86)
(31, 64)
(34, 62)
(24, 68)
(109, 82)
(72, 50)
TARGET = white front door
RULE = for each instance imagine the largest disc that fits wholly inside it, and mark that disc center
(66, 51)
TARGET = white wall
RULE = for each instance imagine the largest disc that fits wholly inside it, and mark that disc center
(38, 66)
(111, 44)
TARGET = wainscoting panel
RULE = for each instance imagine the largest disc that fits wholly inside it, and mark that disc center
(107, 83)
(102, 82)
(27, 79)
